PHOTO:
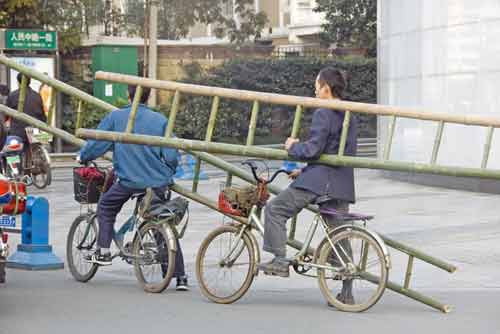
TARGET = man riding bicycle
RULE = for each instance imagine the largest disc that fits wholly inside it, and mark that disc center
(331, 187)
(137, 167)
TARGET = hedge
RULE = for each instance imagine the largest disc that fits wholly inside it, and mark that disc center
(282, 76)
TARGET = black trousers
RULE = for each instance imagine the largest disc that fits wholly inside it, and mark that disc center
(110, 204)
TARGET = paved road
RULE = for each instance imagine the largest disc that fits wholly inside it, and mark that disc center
(460, 227)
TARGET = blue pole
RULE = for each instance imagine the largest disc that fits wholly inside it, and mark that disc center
(34, 252)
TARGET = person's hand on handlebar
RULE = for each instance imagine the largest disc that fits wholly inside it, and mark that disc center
(79, 160)
(294, 174)
(289, 142)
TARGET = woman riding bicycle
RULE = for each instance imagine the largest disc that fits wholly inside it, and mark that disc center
(331, 187)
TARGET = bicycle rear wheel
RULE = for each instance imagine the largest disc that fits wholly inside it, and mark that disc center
(154, 258)
(40, 157)
(225, 276)
(82, 241)
(359, 284)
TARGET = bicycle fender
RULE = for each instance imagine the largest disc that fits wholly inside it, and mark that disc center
(171, 238)
(255, 250)
(374, 235)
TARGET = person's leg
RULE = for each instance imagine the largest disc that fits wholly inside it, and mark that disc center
(110, 204)
(345, 296)
(180, 272)
(281, 208)
(179, 262)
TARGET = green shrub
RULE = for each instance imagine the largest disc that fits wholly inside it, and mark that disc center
(282, 76)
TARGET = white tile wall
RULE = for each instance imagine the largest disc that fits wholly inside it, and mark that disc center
(440, 55)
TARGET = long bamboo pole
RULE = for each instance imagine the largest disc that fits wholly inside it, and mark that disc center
(306, 102)
(22, 93)
(276, 154)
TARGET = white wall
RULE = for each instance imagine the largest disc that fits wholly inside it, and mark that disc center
(441, 55)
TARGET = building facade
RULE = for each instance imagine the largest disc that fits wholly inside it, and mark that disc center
(442, 56)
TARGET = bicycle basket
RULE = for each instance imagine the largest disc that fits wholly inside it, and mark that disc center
(238, 201)
(88, 184)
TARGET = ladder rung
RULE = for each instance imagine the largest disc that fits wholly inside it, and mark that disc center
(388, 144)
(208, 137)
(133, 111)
(297, 120)
(487, 146)
(253, 123)
(437, 142)
(409, 270)
(345, 132)
(173, 114)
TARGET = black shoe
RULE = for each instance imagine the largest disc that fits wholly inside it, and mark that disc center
(182, 284)
(276, 267)
(98, 258)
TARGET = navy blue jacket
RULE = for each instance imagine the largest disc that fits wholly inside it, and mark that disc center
(324, 138)
(136, 166)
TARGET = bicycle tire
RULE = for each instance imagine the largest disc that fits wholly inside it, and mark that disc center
(79, 276)
(157, 230)
(322, 256)
(200, 259)
(46, 176)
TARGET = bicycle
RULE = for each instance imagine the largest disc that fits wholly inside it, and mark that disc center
(226, 262)
(154, 240)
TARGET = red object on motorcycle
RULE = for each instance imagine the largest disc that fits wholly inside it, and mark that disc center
(16, 194)
(5, 237)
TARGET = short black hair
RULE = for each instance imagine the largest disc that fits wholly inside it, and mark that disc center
(335, 79)
(20, 78)
(144, 96)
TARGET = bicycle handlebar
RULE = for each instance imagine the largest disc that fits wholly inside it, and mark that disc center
(253, 167)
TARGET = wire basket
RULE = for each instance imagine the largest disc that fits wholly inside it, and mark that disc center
(88, 183)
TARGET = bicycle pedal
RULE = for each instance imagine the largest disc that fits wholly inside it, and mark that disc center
(272, 273)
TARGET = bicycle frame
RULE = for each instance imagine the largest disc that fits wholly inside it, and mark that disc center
(137, 221)
(255, 222)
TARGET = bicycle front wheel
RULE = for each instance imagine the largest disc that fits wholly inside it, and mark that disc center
(225, 265)
(82, 241)
(154, 258)
(358, 283)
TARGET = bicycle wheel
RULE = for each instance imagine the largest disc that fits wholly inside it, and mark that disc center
(359, 284)
(225, 276)
(82, 240)
(154, 259)
(40, 158)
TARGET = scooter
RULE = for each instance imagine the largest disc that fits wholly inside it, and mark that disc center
(27, 162)
(12, 159)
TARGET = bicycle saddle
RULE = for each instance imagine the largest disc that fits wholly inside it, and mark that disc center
(344, 216)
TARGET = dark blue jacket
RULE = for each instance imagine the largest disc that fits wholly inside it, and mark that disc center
(136, 166)
(324, 138)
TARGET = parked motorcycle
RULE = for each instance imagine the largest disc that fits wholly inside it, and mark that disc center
(30, 164)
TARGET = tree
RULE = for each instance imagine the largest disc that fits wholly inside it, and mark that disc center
(177, 17)
(350, 23)
(69, 18)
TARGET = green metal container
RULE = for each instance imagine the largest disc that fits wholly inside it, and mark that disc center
(120, 59)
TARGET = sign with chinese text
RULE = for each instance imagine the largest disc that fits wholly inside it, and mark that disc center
(30, 40)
